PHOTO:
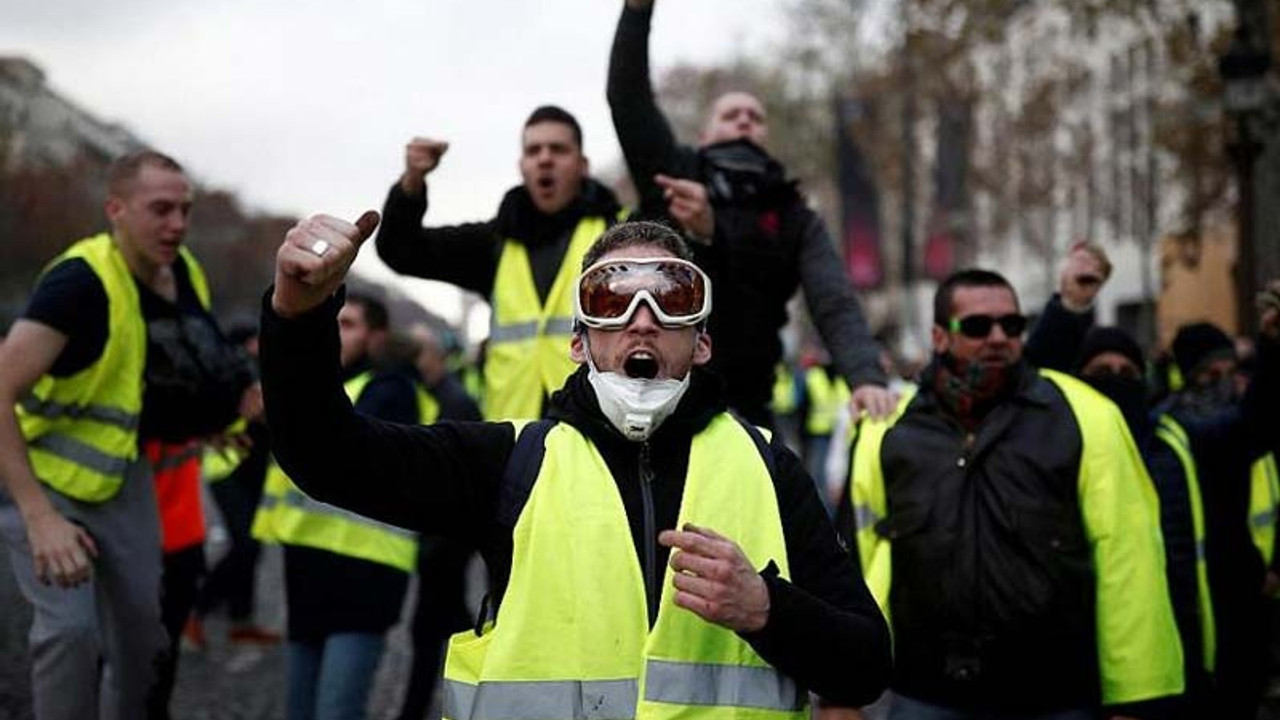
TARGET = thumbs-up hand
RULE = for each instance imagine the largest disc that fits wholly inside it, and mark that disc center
(313, 260)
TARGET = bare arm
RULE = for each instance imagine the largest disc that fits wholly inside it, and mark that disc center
(60, 549)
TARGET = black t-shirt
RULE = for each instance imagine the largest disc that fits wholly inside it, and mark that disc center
(193, 378)
(70, 299)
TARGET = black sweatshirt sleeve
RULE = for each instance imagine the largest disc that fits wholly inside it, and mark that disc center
(463, 255)
(646, 138)
(1056, 340)
(824, 630)
(440, 479)
(835, 309)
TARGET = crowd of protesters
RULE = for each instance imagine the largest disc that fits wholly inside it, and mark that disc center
(1040, 522)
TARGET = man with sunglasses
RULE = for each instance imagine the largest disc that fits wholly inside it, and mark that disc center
(756, 235)
(639, 538)
(1006, 525)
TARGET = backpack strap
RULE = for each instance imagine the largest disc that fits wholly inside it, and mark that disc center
(762, 444)
(513, 492)
(521, 471)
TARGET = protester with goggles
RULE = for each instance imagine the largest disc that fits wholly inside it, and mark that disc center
(676, 291)
(639, 536)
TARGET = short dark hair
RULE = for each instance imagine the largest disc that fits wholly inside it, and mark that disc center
(972, 277)
(555, 113)
(631, 234)
(126, 168)
(374, 310)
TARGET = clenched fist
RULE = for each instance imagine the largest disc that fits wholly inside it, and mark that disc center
(313, 260)
(421, 156)
(1083, 273)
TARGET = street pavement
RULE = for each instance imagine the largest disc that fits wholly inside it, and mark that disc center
(227, 682)
(224, 682)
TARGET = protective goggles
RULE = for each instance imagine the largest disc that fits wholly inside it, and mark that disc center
(677, 291)
(979, 327)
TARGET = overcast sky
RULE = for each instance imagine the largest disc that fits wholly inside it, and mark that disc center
(304, 107)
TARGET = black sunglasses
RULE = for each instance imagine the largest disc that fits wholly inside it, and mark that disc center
(979, 326)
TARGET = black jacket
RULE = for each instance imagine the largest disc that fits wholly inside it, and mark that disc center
(444, 479)
(1224, 446)
(330, 593)
(993, 592)
(467, 255)
(762, 252)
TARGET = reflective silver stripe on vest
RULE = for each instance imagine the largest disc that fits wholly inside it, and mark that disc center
(864, 517)
(169, 462)
(722, 685)
(295, 498)
(81, 453)
(515, 332)
(98, 413)
(559, 326)
(541, 700)
(518, 332)
(1264, 519)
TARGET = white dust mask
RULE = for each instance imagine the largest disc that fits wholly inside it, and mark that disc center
(635, 406)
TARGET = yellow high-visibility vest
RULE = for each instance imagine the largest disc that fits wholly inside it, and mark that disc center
(528, 353)
(82, 430)
(826, 396)
(1264, 502)
(1172, 434)
(784, 390)
(572, 640)
(289, 516)
(1139, 650)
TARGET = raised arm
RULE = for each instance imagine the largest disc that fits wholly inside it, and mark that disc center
(440, 479)
(838, 315)
(1056, 340)
(464, 255)
(646, 138)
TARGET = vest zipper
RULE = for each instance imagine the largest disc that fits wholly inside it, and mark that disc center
(650, 535)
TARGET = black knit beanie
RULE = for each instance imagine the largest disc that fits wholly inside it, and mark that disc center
(1110, 339)
(1198, 343)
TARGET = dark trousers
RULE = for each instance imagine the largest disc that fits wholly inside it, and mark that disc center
(232, 579)
(1242, 656)
(440, 612)
(178, 588)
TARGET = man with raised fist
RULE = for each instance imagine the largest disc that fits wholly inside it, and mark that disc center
(523, 261)
(752, 230)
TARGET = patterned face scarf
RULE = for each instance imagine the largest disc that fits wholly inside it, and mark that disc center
(1208, 399)
(968, 390)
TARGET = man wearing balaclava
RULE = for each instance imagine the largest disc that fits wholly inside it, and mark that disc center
(650, 553)
(1192, 445)
(1229, 433)
(752, 231)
